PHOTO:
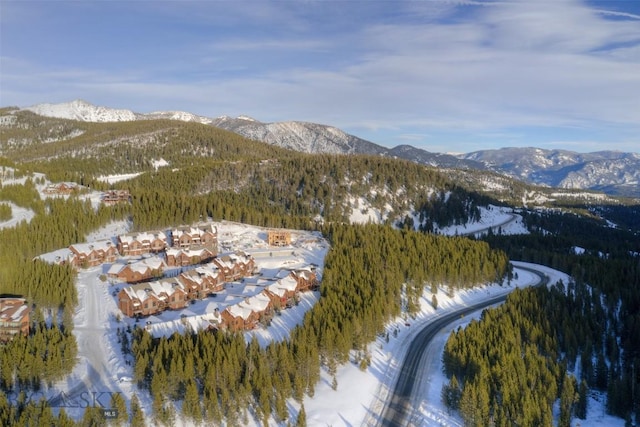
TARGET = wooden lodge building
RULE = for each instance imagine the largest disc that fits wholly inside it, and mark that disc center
(279, 237)
(14, 318)
(113, 197)
(181, 257)
(144, 299)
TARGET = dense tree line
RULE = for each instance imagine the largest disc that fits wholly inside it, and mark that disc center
(219, 376)
(47, 354)
(599, 324)
(83, 148)
(510, 367)
(295, 191)
(65, 222)
(25, 195)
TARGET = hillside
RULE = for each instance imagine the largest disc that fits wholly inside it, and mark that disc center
(609, 172)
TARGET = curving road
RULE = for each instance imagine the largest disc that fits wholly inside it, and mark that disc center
(494, 228)
(398, 406)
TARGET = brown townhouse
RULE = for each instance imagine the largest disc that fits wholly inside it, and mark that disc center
(145, 299)
(306, 279)
(202, 281)
(138, 271)
(91, 254)
(235, 266)
(239, 318)
(189, 256)
(133, 244)
(202, 235)
(283, 292)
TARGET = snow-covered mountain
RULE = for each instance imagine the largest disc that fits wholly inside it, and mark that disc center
(177, 115)
(316, 138)
(86, 112)
(613, 172)
(83, 111)
(299, 136)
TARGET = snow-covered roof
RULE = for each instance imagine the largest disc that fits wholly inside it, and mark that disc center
(194, 231)
(86, 248)
(239, 310)
(277, 290)
(57, 257)
(142, 291)
(288, 283)
(13, 309)
(115, 269)
(141, 237)
(199, 274)
(257, 303)
(168, 286)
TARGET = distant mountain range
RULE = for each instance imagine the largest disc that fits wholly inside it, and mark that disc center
(614, 173)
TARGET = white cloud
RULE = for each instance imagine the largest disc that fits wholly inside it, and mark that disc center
(446, 66)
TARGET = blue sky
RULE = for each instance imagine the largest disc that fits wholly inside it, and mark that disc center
(445, 76)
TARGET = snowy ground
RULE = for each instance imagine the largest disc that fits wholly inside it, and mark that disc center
(102, 368)
(499, 219)
(359, 398)
(18, 214)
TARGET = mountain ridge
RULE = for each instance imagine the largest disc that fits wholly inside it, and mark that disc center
(612, 172)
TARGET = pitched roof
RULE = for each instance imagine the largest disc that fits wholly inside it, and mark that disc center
(87, 248)
(13, 309)
(239, 310)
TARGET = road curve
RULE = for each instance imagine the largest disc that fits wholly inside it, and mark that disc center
(494, 228)
(398, 405)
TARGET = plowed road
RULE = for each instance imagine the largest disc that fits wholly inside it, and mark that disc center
(398, 408)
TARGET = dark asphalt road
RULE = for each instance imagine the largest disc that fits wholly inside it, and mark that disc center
(398, 406)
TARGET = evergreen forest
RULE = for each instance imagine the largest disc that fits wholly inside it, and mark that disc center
(544, 346)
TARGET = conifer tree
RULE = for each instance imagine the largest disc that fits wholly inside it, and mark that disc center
(301, 421)
(117, 402)
(567, 400)
(137, 416)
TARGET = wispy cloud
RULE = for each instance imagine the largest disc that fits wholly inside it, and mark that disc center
(383, 69)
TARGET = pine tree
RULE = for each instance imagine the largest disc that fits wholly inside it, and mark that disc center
(567, 400)
(301, 421)
(118, 403)
(137, 416)
(581, 405)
